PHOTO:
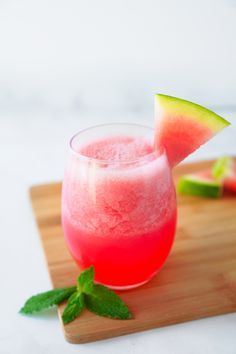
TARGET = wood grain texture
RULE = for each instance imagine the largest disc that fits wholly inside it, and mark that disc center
(198, 279)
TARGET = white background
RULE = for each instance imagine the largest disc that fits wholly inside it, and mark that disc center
(65, 65)
(109, 54)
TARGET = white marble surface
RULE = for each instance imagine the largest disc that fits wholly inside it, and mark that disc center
(33, 149)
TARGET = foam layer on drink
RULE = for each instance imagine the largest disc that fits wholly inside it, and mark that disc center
(117, 148)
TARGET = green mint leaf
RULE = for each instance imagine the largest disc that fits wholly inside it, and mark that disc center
(73, 308)
(45, 300)
(104, 302)
(85, 281)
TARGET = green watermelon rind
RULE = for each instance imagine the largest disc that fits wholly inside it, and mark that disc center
(194, 185)
(183, 108)
(222, 166)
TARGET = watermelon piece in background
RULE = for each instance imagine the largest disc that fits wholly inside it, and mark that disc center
(181, 126)
(225, 169)
(200, 184)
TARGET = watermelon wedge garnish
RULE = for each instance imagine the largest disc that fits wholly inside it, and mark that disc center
(225, 169)
(200, 184)
(181, 126)
(211, 182)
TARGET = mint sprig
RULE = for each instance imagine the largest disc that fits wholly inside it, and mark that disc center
(95, 297)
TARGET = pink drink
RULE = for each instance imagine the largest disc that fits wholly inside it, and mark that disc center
(118, 204)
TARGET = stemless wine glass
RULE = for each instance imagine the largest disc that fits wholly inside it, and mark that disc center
(118, 215)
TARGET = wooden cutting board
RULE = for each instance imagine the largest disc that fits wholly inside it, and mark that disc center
(198, 280)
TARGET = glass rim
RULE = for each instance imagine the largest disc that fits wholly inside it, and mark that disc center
(155, 152)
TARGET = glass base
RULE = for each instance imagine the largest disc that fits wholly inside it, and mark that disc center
(126, 287)
(132, 286)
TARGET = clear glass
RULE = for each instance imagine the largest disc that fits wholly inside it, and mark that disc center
(119, 216)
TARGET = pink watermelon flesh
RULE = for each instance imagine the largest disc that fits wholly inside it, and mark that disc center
(180, 140)
(230, 184)
(230, 179)
(181, 126)
(205, 175)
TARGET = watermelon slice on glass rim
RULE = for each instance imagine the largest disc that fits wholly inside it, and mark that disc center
(181, 126)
